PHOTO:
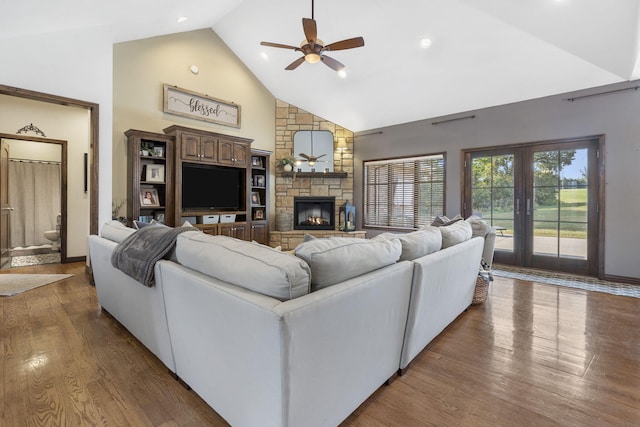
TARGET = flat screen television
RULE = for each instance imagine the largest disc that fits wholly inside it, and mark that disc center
(211, 187)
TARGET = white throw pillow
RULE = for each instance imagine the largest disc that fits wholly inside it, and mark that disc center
(479, 227)
(458, 232)
(250, 265)
(116, 231)
(417, 243)
(338, 259)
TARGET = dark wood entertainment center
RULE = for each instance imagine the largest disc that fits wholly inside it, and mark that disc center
(180, 145)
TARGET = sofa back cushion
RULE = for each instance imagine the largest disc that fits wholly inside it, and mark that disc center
(337, 259)
(115, 231)
(417, 243)
(479, 227)
(247, 264)
(458, 232)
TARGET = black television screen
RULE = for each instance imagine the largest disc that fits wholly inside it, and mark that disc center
(211, 187)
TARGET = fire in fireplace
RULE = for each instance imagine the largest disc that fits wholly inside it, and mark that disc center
(314, 213)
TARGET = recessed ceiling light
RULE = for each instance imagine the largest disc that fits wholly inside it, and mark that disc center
(425, 43)
(182, 19)
(264, 55)
(342, 74)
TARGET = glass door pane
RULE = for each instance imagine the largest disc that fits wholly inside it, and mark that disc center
(559, 203)
(492, 195)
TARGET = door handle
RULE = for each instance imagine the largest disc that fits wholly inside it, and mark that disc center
(8, 209)
(517, 206)
(528, 207)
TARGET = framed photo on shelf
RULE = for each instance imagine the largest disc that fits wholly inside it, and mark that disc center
(149, 198)
(158, 151)
(256, 162)
(258, 181)
(258, 214)
(255, 198)
(155, 173)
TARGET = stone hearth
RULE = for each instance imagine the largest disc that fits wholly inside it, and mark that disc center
(288, 240)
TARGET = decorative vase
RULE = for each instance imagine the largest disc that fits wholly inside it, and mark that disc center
(287, 168)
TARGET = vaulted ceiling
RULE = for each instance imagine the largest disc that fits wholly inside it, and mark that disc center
(483, 53)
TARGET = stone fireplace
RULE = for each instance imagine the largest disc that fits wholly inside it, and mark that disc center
(314, 213)
(336, 186)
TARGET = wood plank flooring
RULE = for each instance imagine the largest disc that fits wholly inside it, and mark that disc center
(533, 355)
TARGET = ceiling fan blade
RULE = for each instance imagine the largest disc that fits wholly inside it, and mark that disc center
(345, 44)
(295, 63)
(303, 155)
(320, 156)
(310, 29)
(282, 46)
(331, 63)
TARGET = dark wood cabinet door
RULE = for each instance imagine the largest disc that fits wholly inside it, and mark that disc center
(225, 152)
(234, 229)
(240, 155)
(190, 147)
(208, 149)
(260, 232)
(241, 231)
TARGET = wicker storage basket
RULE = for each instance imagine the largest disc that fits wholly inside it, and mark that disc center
(482, 289)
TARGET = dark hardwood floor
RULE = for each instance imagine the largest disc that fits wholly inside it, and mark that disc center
(533, 355)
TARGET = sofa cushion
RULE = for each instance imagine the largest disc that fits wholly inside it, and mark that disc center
(458, 232)
(479, 227)
(416, 244)
(337, 259)
(116, 231)
(250, 265)
(439, 221)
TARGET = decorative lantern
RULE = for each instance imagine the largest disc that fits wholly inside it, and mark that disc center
(347, 217)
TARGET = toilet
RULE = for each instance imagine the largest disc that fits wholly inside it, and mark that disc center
(54, 235)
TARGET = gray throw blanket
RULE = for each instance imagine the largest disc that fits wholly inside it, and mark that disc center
(138, 253)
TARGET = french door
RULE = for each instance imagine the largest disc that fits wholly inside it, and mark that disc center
(545, 201)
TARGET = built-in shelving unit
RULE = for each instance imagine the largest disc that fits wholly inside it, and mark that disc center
(150, 174)
(217, 150)
(155, 180)
(259, 197)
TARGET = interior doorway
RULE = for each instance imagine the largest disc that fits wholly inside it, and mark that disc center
(91, 159)
(35, 178)
(545, 200)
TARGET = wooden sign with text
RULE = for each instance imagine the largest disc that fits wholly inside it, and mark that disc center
(186, 103)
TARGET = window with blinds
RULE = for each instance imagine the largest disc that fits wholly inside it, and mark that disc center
(405, 192)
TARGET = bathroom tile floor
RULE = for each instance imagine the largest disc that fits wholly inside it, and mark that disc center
(32, 255)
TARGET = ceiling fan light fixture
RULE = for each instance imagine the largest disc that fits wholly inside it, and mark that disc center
(312, 57)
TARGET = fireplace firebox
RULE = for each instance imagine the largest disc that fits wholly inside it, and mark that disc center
(314, 213)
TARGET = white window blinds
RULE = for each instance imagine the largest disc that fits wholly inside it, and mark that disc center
(403, 193)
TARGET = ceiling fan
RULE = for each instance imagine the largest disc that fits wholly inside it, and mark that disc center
(310, 159)
(313, 48)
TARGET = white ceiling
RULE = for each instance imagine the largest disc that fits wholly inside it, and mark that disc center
(484, 53)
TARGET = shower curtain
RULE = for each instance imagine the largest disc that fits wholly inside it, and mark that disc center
(34, 193)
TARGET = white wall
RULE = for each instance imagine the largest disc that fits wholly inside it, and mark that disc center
(74, 64)
(30, 150)
(615, 116)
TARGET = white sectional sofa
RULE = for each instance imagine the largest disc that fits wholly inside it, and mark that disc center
(267, 338)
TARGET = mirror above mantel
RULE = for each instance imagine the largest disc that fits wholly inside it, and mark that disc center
(314, 150)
